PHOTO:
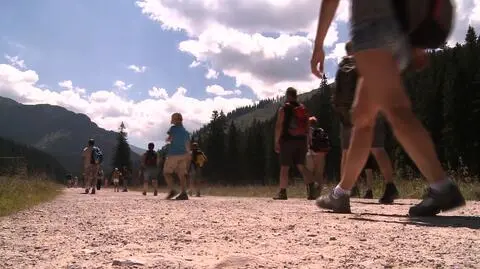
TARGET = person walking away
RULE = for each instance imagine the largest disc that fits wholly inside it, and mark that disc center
(125, 178)
(319, 146)
(383, 47)
(291, 142)
(92, 158)
(346, 82)
(177, 158)
(198, 160)
(116, 179)
(150, 162)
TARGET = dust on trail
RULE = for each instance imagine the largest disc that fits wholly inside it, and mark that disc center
(128, 230)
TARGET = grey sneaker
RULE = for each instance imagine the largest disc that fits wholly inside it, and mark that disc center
(337, 205)
(438, 201)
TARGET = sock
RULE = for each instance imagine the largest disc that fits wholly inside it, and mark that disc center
(441, 184)
(337, 192)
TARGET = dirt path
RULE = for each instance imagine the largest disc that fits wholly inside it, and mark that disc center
(117, 230)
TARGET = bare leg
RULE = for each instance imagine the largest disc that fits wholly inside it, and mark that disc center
(284, 177)
(145, 185)
(384, 163)
(155, 184)
(169, 180)
(319, 164)
(363, 116)
(382, 78)
(306, 174)
(183, 181)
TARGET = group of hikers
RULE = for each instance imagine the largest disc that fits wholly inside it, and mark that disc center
(368, 93)
(182, 158)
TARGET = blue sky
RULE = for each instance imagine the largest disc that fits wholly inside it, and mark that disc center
(190, 56)
(99, 39)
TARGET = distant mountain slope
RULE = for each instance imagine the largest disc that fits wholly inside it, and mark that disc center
(55, 130)
(14, 156)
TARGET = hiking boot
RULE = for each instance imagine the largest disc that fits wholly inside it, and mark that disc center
(124, 190)
(93, 190)
(438, 201)
(368, 195)
(144, 193)
(182, 196)
(312, 192)
(390, 194)
(355, 192)
(171, 194)
(338, 205)
(198, 194)
(281, 195)
(87, 191)
(155, 193)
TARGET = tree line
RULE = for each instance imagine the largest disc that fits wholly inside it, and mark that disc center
(445, 96)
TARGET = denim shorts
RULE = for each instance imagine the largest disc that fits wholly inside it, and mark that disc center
(381, 33)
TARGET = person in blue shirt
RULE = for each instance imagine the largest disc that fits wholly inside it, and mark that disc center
(178, 157)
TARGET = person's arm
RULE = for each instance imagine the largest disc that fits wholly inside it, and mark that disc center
(205, 156)
(278, 127)
(327, 13)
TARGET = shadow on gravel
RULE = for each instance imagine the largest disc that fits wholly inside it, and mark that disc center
(376, 203)
(471, 222)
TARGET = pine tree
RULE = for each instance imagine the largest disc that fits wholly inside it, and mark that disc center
(121, 157)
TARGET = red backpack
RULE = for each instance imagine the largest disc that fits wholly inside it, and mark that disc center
(299, 120)
(427, 23)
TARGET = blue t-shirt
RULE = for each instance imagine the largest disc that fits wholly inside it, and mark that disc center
(180, 137)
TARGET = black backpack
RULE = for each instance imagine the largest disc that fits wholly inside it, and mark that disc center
(97, 156)
(320, 140)
(427, 23)
(150, 158)
(345, 86)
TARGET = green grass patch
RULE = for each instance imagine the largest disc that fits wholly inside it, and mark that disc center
(409, 189)
(18, 193)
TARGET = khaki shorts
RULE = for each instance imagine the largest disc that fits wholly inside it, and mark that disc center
(176, 164)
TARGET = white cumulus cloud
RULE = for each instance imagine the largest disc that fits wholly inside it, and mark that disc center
(15, 61)
(147, 120)
(137, 69)
(220, 91)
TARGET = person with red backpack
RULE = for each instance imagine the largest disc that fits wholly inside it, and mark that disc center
(386, 35)
(150, 163)
(291, 142)
(319, 146)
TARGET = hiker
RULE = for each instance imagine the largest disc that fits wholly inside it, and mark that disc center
(92, 158)
(198, 159)
(342, 100)
(382, 50)
(319, 146)
(125, 178)
(69, 180)
(291, 142)
(116, 179)
(150, 162)
(177, 157)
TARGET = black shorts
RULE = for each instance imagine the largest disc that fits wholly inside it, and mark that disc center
(293, 152)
